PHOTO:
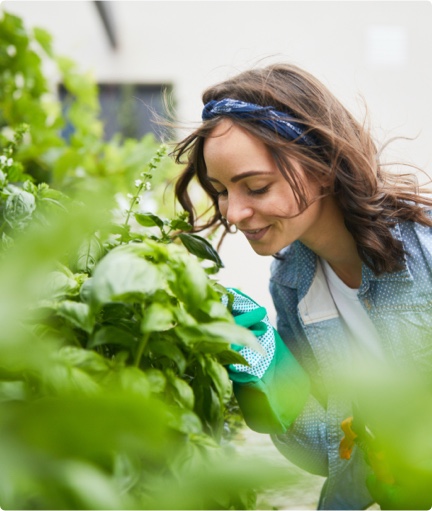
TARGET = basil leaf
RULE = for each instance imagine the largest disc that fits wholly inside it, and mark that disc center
(200, 247)
(148, 220)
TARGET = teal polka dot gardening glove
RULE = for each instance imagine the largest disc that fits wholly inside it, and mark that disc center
(273, 388)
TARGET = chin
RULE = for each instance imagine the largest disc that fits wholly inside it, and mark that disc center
(263, 251)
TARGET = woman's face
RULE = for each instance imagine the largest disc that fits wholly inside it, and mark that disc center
(254, 195)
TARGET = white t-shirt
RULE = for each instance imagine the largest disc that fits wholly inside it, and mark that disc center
(355, 319)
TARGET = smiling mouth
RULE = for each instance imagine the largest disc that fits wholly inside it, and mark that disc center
(255, 234)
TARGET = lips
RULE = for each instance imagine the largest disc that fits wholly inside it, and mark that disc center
(255, 234)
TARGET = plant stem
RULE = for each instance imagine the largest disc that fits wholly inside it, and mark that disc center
(141, 348)
(132, 204)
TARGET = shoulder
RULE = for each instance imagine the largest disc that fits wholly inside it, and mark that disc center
(415, 234)
(417, 241)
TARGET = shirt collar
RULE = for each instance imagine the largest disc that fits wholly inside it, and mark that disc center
(305, 262)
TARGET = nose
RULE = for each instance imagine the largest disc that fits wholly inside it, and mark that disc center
(236, 210)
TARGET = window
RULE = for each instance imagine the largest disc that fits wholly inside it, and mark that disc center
(128, 109)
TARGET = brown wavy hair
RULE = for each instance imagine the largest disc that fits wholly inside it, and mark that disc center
(345, 161)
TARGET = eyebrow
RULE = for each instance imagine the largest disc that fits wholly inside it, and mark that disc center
(244, 175)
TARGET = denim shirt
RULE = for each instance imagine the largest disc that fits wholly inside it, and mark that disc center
(400, 306)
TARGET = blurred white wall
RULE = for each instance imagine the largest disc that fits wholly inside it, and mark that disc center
(378, 50)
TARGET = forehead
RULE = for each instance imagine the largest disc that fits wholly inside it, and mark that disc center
(229, 145)
(226, 132)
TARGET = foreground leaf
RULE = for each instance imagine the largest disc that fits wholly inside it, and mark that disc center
(200, 247)
(124, 276)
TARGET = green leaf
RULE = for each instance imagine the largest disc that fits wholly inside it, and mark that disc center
(184, 393)
(157, 380)
(90, 486)
(181, 225)
(189, 282)
(77, 313)
(220, 378)
(149, 220)
(44, 39)
(157, 318)
(167, 349)
(216, 310)
(12, 391)
(91, 361)
(57, 284)
(227, 357)
(65, 379)
(85, 290)
(19, 207)
(200, 247)
(209, 347)
(220, 332)
(153, 250)
(124, 276)
(208, 406)
(212, 270)
(89, 253)
(186, 422)
(133, 380)
(112, 335)
(116, 313)
(92, 427)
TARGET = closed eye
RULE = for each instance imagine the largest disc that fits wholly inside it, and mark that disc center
(222, 193)
(213, 192)
(259, 191)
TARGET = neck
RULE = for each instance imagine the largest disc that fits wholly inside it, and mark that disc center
(334, 243)
(350, 273)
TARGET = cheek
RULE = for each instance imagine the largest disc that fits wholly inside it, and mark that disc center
(222, 206)
(286, 203)
(283, 204)
(312, 213)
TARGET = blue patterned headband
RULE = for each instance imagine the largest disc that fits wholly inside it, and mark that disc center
(281, 123)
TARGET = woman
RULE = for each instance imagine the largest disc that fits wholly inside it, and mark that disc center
(286, 164)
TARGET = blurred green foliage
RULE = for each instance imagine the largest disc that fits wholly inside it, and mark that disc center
(392, 421)
(28, 97)
(113, 339)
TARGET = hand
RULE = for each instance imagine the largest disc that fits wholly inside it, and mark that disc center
(273, 389)
(249, 314)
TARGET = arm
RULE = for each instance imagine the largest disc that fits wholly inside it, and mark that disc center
(273, 392)
(305, 443)
(272, 389)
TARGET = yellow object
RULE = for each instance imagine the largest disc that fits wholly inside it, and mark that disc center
(347, 443)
